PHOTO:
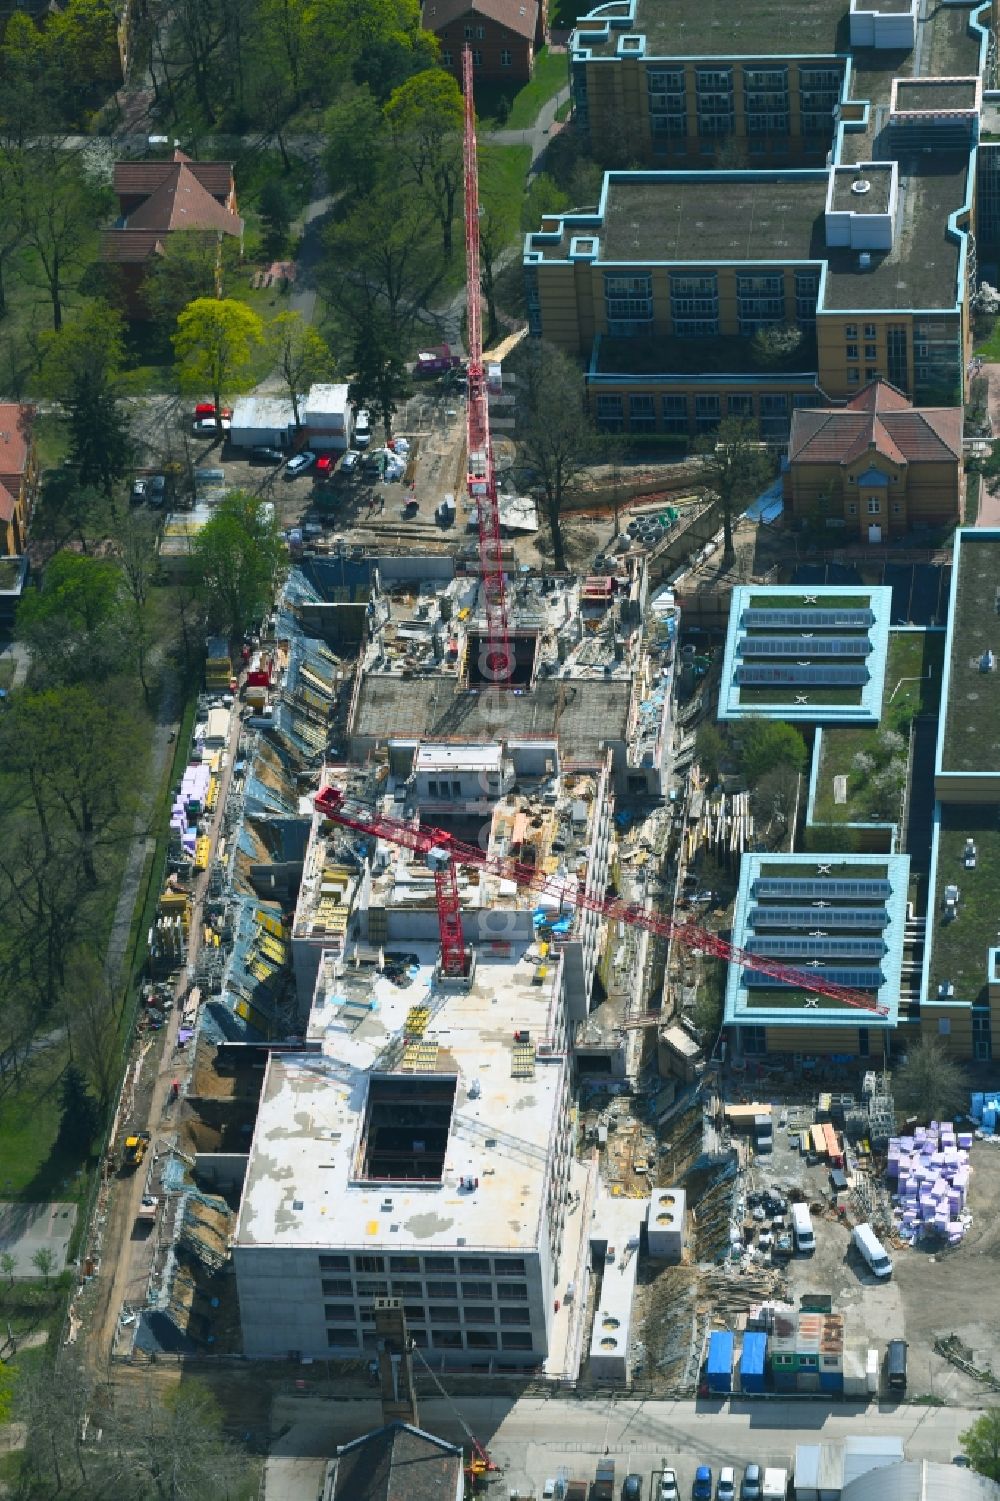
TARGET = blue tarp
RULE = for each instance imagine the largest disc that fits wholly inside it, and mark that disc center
(720, 1361)
(752, 1361)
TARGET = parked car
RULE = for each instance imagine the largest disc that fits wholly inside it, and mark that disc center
(139, 492)
(325, 465)
(632, 1488)
(726, 1488)
(207, 427)
(264, 455)
(362, 428)
(350, 465)
(209, 409)
(157, 489)
(668, 1487)
(299, 464)
(702, 1488)
(750, 1490)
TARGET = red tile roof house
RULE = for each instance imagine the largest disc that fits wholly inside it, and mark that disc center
(877, 466)
(18, 483)
(504, 35)
(156, 198)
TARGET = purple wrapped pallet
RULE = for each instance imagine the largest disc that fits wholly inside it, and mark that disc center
(964, 1141)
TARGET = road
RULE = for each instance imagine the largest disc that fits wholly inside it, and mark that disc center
(533, 1438)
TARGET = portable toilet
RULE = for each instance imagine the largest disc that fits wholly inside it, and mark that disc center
(720, 1361)
(753, 1358)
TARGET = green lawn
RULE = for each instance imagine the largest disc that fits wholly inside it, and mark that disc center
(551, 74)
(989, 349)
(809, 602)
(908, 691)
(29, 1119)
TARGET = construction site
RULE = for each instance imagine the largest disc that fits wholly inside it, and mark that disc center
(429, 1053)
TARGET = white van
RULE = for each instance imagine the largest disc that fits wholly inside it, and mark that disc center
(802, 1229)
(872, 1249)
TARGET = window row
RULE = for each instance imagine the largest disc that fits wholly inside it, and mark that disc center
(440, 1339)
(500, 1266)
(346, 1313)
(343, 1287)
(677, 414)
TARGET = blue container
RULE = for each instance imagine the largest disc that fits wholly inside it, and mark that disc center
(720, 1361)
(784, 1379)
(976, 1108)
(831, 1381)
(753, 1359)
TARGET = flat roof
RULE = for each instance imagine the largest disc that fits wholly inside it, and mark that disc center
(872, 200)
(583, 712)
(960, 946)
(804, 701)
(302, 1187)
(687, 28)
(969, 729)
(917, 95)
(689, 217)
(777, 1006)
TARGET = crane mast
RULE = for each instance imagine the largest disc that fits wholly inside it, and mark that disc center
(440, 850)
(498, 663)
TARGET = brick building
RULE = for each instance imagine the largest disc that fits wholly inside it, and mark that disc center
(878, 464)
(504, 35)
(159, 198)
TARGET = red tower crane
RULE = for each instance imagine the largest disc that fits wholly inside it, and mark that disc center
(482, 480)
(444, 854)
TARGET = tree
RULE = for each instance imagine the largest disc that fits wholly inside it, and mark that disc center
(766, 743)
(380, 375)
(981, 1443)
(92, 1025)
(426, 117)
(275, 208)
(542, 197)
(44, 1260)
(238, 559)
(81, 366)
(497, 230)
(67, 510)
(73, 623)
(60, 209)
(214, 346)
(74, 750)
(11, 219)
(735, 467)
(777, 343)
(300, 354)
(378, 261)
(930, 1085)
(138, 547)
(357, 141)
(78, 1115)
(555, 436)
(187, 267)
(776, 795)
(8, 1265)
(710, 749)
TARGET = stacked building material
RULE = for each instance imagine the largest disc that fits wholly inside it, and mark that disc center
(985, 1111)
(189, 804)
(931, 1172)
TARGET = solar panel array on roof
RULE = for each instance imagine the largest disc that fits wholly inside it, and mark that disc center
(805, 646)
(851, 979)
(792, 620)
(816, 948)
(810, 917)
(831, 889)
(792, 676)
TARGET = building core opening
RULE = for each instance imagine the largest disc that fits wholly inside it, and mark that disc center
(523, 647)
(406, 1127)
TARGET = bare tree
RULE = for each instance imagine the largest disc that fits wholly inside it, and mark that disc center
(735, 467)
(555, 435)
